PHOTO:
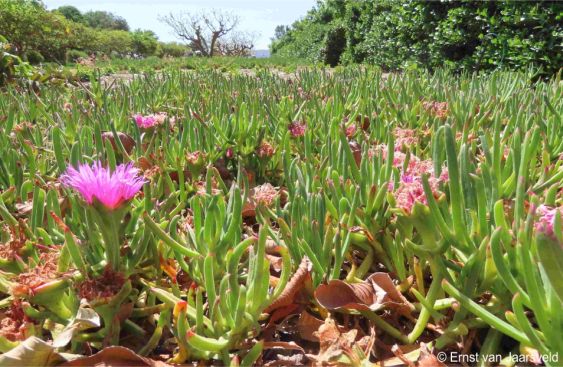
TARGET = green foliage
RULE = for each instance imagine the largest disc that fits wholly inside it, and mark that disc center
(105, 20)
(34, 57)
(171, 49)
(33, 30)
(448, 212)
(11, 66)
(31, 27)
(75, 55)
(71, 13)
(464, 35)
(111, 41)
(144, 43)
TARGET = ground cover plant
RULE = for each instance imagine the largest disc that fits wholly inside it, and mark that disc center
(320, 217)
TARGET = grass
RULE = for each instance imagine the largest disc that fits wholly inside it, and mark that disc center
(414, 207)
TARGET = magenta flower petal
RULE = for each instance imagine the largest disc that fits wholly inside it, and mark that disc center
(546, 220)
(146, 122)
(110, 188)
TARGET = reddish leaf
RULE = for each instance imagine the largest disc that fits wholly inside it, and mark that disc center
(296, 283)
(307, 325)
(127, 141)
(376, 292)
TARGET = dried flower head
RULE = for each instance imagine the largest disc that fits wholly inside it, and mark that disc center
(111, 189)
(265, 150)
(297, 129)
(438, 109)
(405, 137)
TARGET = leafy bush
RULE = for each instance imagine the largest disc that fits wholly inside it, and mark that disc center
(144, 43)
(34, 57)
(171, 49)
(335, 44)
(75, 55)
(11, 66)
(464, 35)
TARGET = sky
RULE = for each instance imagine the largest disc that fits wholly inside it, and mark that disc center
(258, 16)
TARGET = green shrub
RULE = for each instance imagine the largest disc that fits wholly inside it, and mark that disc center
(11, 66)
(335, 44)
(171, 49)
(75, 55)
(34, 57)
(463, 35)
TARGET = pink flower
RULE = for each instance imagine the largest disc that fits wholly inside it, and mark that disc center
(404, 137)
(297, 129)
(409, 192)
(146, 122)
(351, 130)
(546, 220)
(110, 188)
(410, 189)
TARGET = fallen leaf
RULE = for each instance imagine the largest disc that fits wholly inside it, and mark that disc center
(283, 345)
(295, 284)
(375, 293)
(281, 360)
(86, 318)
(32, 352)
(115, 357)
(127, 141)
(307, 326)
(427, 358)
(338, 348)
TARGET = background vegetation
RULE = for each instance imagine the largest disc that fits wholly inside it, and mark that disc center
(65, 34)
(464, 35)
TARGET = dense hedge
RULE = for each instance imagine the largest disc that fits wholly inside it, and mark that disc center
(466, 35)
(37, 34)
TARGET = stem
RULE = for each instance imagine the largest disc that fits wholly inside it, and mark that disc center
(485, 315)
(383, 325)
(424, 316)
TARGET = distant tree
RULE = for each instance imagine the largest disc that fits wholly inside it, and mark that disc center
(105, 20)
(204, 31)
(236, 44)
(113, 42)
(71, 13)
(171, 49)
(145, 43)
(280, 31)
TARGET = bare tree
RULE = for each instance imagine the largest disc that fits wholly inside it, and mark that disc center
(237, 44)
(202, 30)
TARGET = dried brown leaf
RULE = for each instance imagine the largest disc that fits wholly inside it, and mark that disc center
(307, 326)
(127, 141)
(336, 347)
(295, 284)
(115, 357)
(376, 292)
